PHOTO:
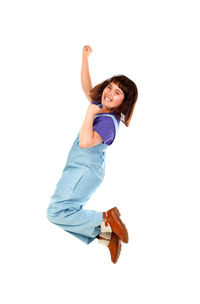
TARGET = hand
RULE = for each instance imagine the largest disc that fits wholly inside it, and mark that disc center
(87, 51)
(94, 109)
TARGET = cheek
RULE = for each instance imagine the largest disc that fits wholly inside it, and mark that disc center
(106, 91)
(103, 93)
(119, 100)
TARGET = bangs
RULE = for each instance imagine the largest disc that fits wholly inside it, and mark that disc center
(120, 84)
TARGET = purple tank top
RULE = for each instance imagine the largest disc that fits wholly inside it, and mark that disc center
(105, 127)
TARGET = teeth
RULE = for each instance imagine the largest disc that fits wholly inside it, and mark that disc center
(107, 99)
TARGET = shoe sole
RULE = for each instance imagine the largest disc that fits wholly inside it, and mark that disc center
(118, 252)
(123, 225)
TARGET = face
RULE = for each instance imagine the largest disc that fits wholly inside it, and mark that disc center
(112, 96)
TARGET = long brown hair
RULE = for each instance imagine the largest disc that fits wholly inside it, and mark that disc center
(124, 111)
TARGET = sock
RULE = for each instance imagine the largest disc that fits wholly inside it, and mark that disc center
(105, 234)
(105, 227)
(104, 238)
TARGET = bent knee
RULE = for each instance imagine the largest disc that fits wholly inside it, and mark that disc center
(59, 213)
(56, 210)
(51, 213)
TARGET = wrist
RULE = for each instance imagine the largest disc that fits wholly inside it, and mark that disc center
(90, 112)
(84, 58)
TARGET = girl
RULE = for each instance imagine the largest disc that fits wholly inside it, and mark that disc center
(111, 101)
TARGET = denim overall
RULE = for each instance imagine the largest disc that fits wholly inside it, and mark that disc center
(82, 175)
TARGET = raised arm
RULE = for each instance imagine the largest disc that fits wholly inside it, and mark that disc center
(85, 74)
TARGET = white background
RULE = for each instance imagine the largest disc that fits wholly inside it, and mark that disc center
(152, 168)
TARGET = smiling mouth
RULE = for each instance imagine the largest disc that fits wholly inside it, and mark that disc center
(107, 99)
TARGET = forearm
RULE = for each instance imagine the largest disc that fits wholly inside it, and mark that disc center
(86, 132)
(85, 75)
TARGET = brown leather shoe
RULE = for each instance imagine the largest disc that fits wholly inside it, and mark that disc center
(114, 247)
(112, 216)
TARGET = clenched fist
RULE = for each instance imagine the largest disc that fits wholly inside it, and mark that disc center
(93, 109)
(87, 51)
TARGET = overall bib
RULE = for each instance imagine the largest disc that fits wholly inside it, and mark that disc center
(83, 173)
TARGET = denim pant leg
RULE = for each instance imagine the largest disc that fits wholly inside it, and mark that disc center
(83, 224)
(74, 189)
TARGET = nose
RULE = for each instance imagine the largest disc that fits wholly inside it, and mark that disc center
(109, 94)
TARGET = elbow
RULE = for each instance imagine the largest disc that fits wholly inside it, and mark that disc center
(83, 145)
(85, 142)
